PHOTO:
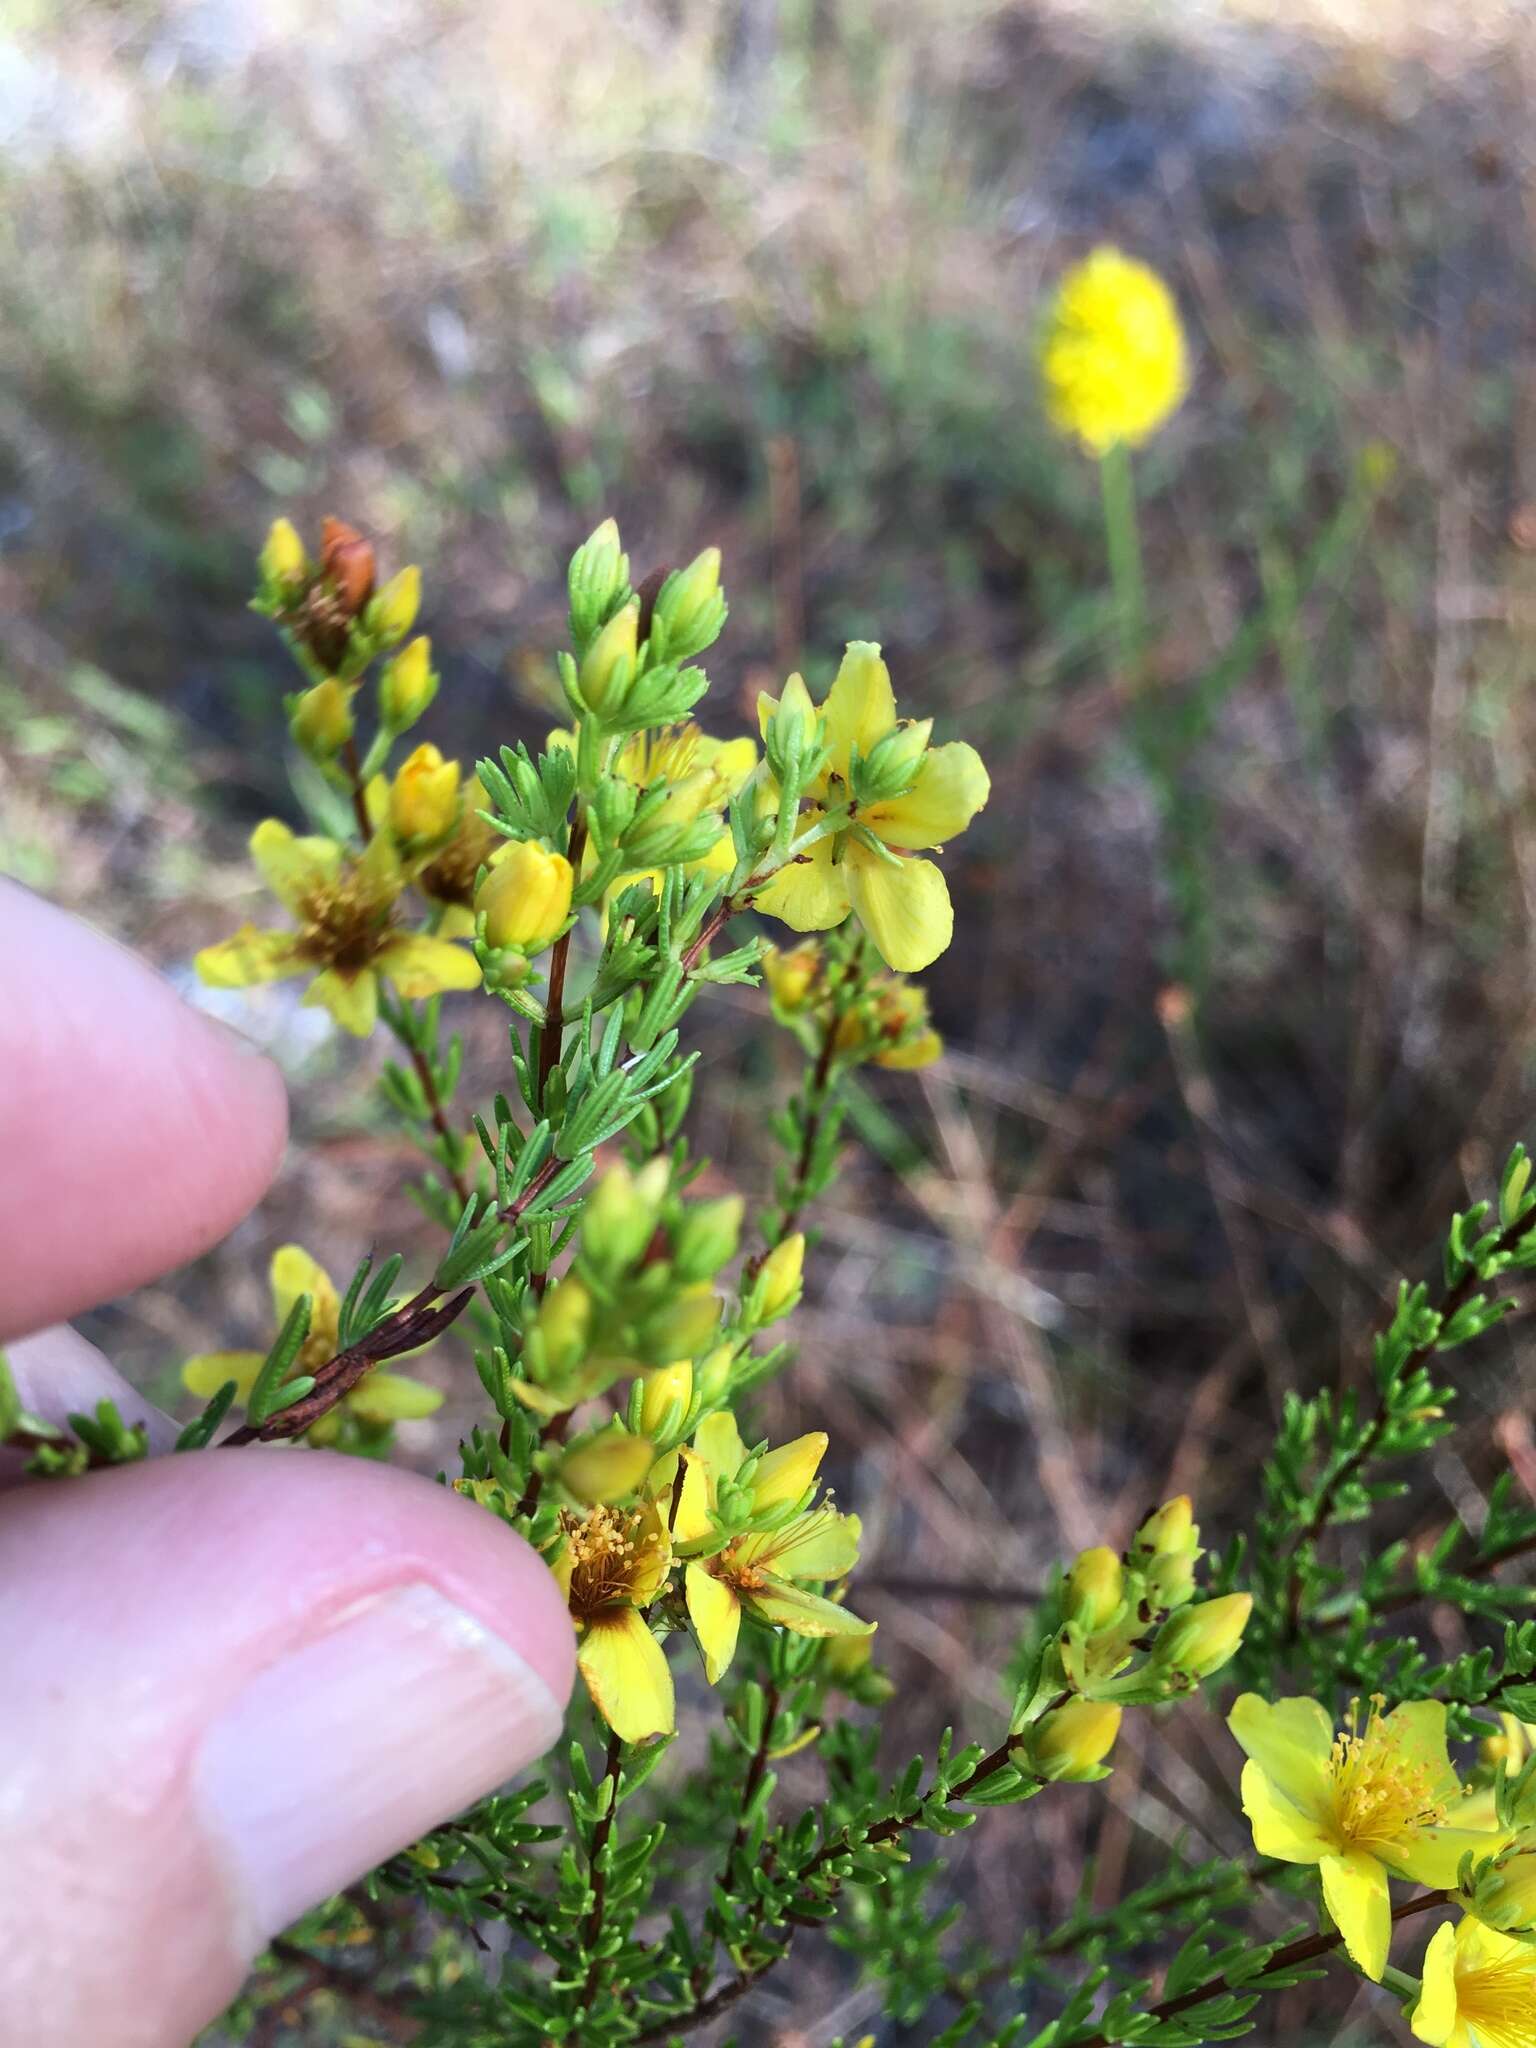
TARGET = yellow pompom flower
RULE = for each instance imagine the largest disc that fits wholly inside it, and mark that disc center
(867, 866)
(1113, 357)
(345, 934)
(379, 1398)
(764, 1573)
(1370, 1800)
(614, 1563)
(1478, 1990)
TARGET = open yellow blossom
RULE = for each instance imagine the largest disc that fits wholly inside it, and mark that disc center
(867, 865)
(345, 932)
(1478, 1990)
(1370, 1800)
(614, 1563)
(1113, 358)
(765, 1573)
(380, 1398)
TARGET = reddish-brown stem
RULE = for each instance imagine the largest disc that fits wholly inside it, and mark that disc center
(598, 1870)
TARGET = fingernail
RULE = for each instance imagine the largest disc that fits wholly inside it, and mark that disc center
(346, 1750)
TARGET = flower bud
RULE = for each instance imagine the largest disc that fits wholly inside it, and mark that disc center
(621, 1216)
(890, 768)
(666, 1399)
(393, 612)
(282, 559)
(779, 1280)
(407, 685)
(599, 576)
(1168, 1529)
(706, 1236)
(682, 1327)
(1504, 1893)
(526, 897)
(690, 609)
(321, 719)
(608, 667)
(783, 1475)
(791, 976)
(1070, 1745)
(1197, 1641)
(788, 723)
(1509, 1747)
(1166, 1547)
(606, 1465)
(714, 1373)
(346, 562)
(920, 1050)
(1095, 1588)
(424, 799)
(561, 1329)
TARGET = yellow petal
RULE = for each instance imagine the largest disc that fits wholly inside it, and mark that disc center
(392, 1397)
(860, 708)
(419, 965)
(456, 921)
(1355, 1891)
(1418, 1731)
(821, 1545)
(248, 956)
(810, 894)
(205, 1374)
(1280, 1828)
(951, 787)
(292, 867)
(921, 1051)
(721, 1450)
(626, 1673)
(805, 1614)
(1434, 2017)
(1290, 1740)
(293, 1272)
(784, 1474)
(1432, 1856)
(903, 905)
(351, 995)
(731, 761)
(715, 1613)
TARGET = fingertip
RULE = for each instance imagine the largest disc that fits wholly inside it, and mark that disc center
(135, 1131)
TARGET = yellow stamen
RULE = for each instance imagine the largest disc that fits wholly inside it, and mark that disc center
(1380, 1794)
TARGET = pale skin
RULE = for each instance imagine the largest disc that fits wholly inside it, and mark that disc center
(225, 1678)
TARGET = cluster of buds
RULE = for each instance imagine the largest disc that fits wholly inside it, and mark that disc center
(878, 1020)
(625, 668)
(638, 1295)
(1114, 1607)
(335, 615)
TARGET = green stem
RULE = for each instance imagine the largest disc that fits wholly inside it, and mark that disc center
(1122, 536)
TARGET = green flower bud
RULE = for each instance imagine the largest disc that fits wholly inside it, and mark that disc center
(789, 723)
(407, 685)
(690, 609)
(321, 719)
(778, 1285)
(714, 1373)
(558, 1340)
(1504, 1893)
(621, 1217)
(890, 768)
(598, 582)
(665, 1400)
(606, 1465)
(607, 670)
(392, 613)
(681, 1328)
(707, 1235)
(1199, 1640)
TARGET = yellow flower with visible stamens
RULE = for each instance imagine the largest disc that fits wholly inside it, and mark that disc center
(766, 1573)
(1370, 1800)
(1478, 1990)
(1113, 358)
(346, 936)
(867, 865)
(379, 1398)
(614, 1564)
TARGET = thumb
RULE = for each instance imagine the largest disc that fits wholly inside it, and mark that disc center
(234, 1682)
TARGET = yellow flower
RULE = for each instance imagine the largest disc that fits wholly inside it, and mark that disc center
(1478, 1990)
(345, 933)
(526, 897)
(790, 976)
(867, 866)
(379, 1398)
(614, 1563)
(1370, 1800)
(1113, 358)
(890, 1027)
(766, 1572)
(1070, 1746)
